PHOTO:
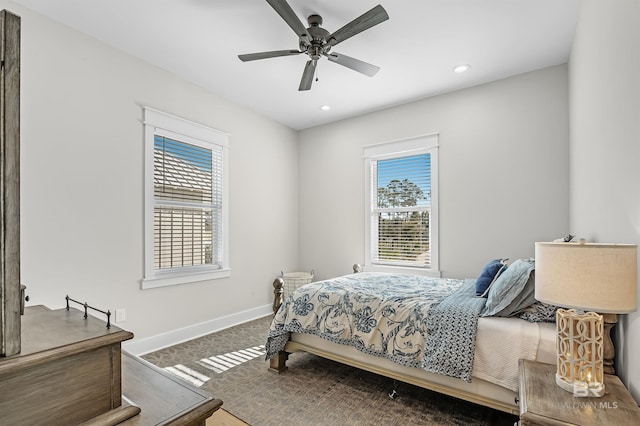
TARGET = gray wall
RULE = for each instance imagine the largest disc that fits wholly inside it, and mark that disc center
(503, 173)
(82, 185)
(605, 144)
(505, 179)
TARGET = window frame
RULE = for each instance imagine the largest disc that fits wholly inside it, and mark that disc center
(163, 124)
(425, 144)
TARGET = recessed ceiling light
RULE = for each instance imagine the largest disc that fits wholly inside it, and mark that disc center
(461, 68)
(325, 107)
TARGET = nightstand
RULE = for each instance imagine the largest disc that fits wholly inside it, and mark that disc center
(542, 402)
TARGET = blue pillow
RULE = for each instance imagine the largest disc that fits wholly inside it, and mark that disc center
(490, 272)
(510, 292)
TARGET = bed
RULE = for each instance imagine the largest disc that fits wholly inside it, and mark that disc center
(454, 336)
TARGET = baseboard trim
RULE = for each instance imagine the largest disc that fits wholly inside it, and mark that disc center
(160, 341)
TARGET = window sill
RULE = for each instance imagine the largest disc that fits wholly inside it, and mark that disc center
(174, 279)
(403, 270)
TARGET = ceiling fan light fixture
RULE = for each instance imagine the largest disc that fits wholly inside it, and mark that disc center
(458, 69)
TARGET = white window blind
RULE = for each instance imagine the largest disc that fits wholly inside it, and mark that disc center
(187, 191)
(401, 203)
(401, 209)
(186, 208)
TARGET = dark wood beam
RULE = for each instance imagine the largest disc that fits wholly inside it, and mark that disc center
(10, 293)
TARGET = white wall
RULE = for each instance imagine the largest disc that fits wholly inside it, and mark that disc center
(503, 182)
(605, 144)
(82, 185)
(503, 173)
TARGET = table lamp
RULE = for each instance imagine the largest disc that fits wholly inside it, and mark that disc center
(599, 279)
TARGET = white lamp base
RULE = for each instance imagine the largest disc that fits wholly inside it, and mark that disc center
(579, 367)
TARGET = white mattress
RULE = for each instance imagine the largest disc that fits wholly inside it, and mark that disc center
(499, 344)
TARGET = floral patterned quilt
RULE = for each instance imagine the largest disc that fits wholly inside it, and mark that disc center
(387, 315)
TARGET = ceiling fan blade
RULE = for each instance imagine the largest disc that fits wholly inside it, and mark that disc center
(290, 17)
(353, 63)
(307, 75)
(264, 55)
(358, 25)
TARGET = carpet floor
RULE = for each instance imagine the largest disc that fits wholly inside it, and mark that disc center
(313, 391)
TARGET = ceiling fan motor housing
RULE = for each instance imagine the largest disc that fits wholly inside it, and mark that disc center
(318, 45)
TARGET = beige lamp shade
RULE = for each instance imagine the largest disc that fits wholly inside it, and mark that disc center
(588, 276)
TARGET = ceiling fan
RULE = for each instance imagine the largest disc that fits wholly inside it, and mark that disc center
(317, 42)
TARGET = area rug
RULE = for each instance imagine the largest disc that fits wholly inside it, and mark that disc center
(313, 391)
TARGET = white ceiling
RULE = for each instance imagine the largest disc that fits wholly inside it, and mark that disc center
(416, 48)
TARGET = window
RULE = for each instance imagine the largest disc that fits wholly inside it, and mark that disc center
(185, 201)
(401, 204)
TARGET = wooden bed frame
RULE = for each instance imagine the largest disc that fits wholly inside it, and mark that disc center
(480, 392)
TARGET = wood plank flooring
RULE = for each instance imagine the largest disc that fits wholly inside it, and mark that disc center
(224, 418)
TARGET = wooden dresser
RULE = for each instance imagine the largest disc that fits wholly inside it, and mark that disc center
(71, 370)
(68, 371)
